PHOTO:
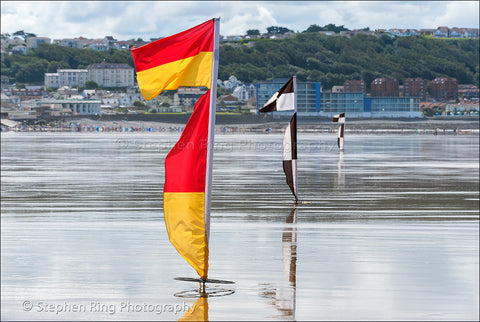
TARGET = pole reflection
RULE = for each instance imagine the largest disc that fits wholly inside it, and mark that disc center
(339, 180)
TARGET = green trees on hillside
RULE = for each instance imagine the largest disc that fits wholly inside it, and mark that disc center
(329, 27)
(332, 60)
(31, 68)
(308, 55)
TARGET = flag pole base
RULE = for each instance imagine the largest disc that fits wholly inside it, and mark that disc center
(203, 280)
(203, 291)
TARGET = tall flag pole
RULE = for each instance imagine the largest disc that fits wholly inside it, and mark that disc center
(189, 58)
(211, 126)
(283, 100)
(340, 118)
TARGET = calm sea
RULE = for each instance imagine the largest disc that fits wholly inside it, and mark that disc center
(387, 230)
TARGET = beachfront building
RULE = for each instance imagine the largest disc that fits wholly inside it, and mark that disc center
(77, 107)
(360, 105)
(308, 95)
(332, 103)
(395, 107)
(311, 101)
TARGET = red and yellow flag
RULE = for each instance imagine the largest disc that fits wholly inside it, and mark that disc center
(184, 59)
(184, 190)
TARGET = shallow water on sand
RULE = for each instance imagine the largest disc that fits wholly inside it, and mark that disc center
(388, 229)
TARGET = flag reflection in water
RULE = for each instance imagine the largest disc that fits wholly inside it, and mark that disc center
(198, 311)
(284, 296)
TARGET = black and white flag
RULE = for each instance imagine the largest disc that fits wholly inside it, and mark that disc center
(340, 118)
(282, 100)
(290, 155)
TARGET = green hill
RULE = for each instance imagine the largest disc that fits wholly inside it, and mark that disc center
(310, 56)
(332, 60)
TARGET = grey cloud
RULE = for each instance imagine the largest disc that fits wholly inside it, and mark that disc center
(147, 19)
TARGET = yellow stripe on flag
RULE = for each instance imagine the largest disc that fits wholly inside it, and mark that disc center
(185, 221)
(191, 71)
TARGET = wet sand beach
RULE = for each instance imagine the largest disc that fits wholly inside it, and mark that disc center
(386, 230)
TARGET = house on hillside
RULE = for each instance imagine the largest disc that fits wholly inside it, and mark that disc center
(34, 42)
(441, 32)
(70, 42)
(20, 49)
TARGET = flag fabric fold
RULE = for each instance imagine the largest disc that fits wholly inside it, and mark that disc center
(189, 58)
(290, 155)
(340, 118)
(282, 100)
(183, 59)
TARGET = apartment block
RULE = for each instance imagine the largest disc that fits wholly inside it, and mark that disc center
(384, 87)
(308, 95)
(66, 77)
(414, 87)
(444, 88)
(354, 86)
(110, 74)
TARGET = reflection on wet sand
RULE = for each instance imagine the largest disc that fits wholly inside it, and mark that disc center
(198, 311)
(339, 180)
(284, 296)
(81, 223)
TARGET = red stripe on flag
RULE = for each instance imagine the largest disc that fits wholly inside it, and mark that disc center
(185, 164)
(185, 44)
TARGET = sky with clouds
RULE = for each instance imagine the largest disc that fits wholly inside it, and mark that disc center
(152, 19)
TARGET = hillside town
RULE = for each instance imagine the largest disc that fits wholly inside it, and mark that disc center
(109, 88)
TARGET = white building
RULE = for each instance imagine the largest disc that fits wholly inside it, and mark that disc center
(66, 77)
(98, 45)
(69, 42)
(20, 49)
(104, 74)
(231, 83)
(12, 41)
(187, 96)
(110, 74)
(241, 92)
(72, 77)
(34, 42)
(79, 107)
(51, 80)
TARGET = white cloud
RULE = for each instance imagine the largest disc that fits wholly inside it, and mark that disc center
(150, 19)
